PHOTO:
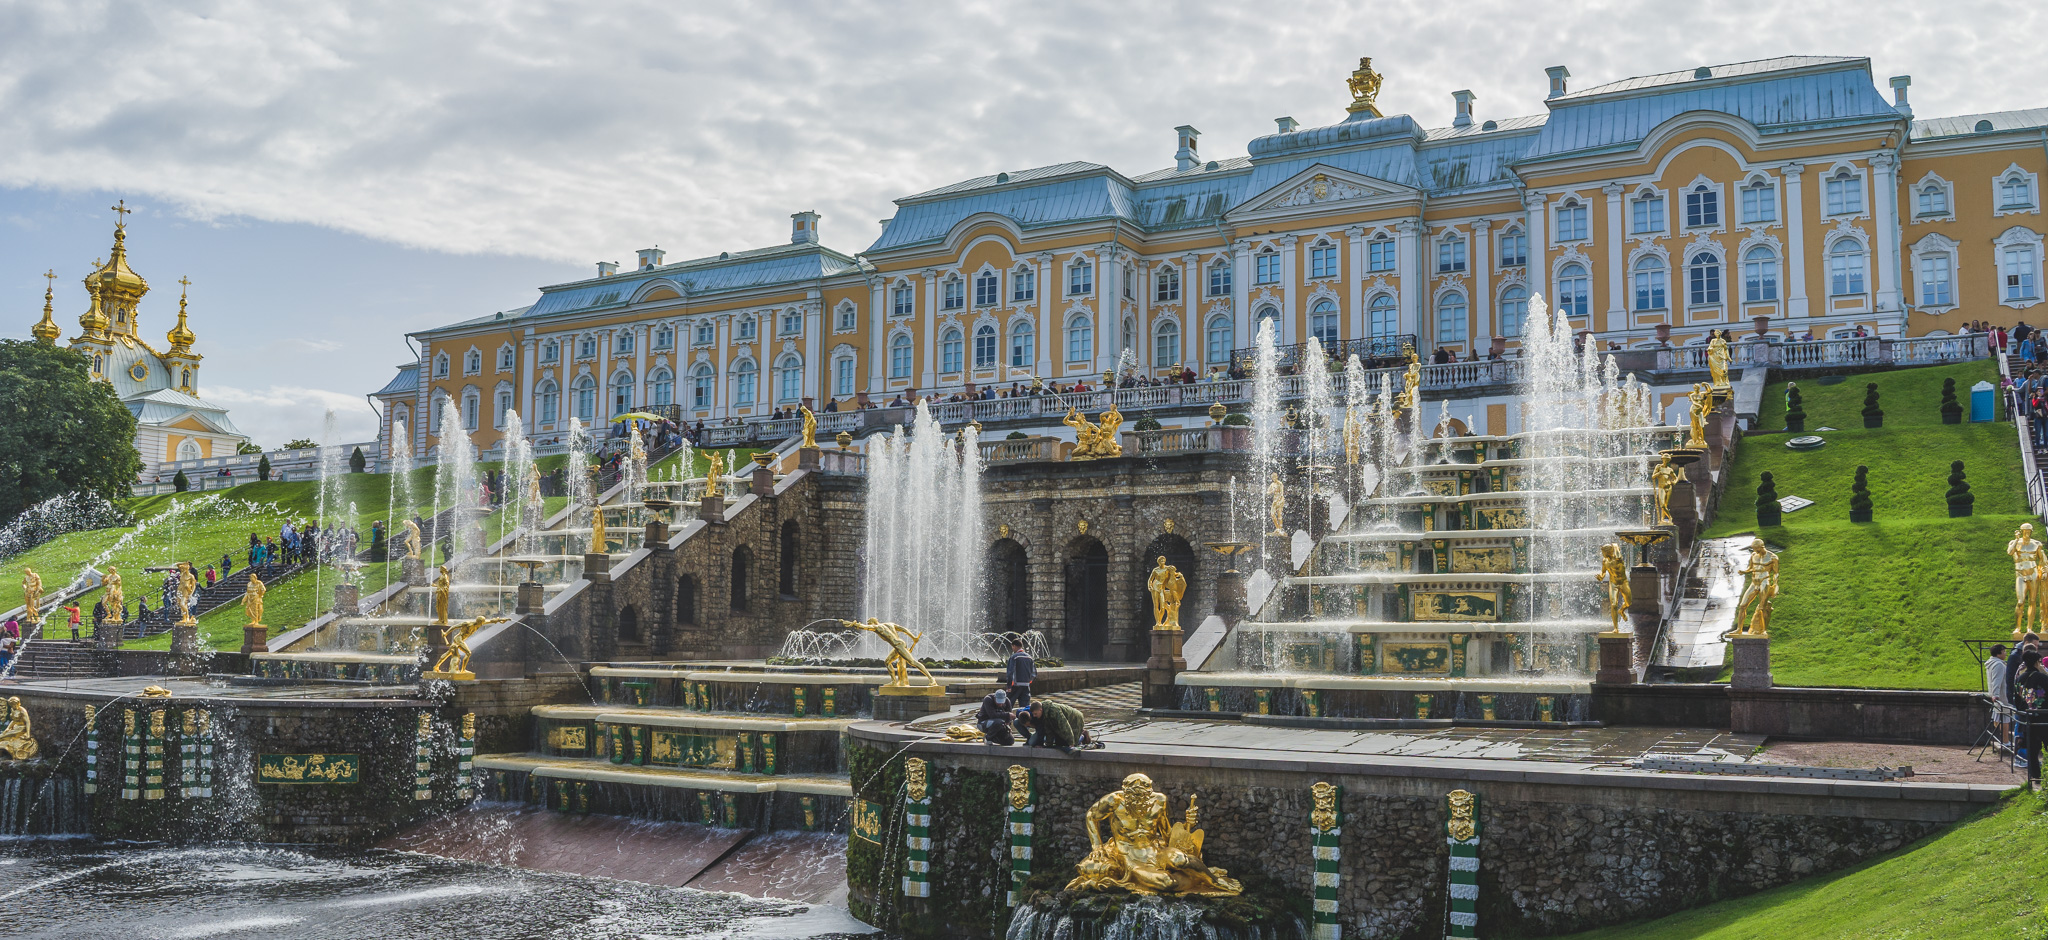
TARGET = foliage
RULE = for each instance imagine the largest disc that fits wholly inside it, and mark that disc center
(60, 431)
(288, 605)
(1837, 405)
(1767, 511)
(1148, 423)
(180, 483)
(263, 469)
(298, 444)
(1017, 436)
(357, 463)
(1795, 408)
(1873, 416)
(247, 447)
(1237, 419)
(1959, 499)
(1859, 495)
(1980, 880)
(1951, 410)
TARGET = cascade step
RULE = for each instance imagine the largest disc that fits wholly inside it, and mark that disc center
(57, 659)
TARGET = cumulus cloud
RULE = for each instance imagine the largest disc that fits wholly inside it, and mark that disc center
(271, 416)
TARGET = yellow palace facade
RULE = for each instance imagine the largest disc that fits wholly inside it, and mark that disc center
(1787, 193)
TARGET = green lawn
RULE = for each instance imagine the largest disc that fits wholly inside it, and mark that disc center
(287, 605)
(1909, 397)
(1981, 879)
(1882, 604)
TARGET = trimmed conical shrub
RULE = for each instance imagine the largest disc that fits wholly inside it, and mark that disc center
(263, 467)
(1951, 410)
(1873, 416)
(1768, 512)
(180, 483)
(1960, 501)
(357, 463)
(1795, 409)
(1859, 495)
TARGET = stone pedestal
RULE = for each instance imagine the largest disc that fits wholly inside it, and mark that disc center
(1165, 663)
(413, 570)
(347, 599)
(255, 639)
(532, 597)
(807, 458)
(909, 702)
(1617, 659)
(185, 638)
(1645, 607)
(712, 510)
(1685, 512)
(656, 533)
(1230, 597)
(1752, 662)
(108, 636)
(763, 481)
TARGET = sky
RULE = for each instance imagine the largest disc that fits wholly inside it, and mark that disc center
(331, 176)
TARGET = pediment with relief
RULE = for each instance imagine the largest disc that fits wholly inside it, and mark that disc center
(1321, 185)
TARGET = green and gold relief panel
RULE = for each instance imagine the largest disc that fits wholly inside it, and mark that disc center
(1455, 605)
(308, 768)
(1501, 517)
(566, 738)
(1496, 559)
(1415, 659)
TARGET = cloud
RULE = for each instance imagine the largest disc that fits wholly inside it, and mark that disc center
(271, 416)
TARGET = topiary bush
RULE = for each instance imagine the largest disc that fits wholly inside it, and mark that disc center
(1795, 409)
(180, 483)
(1873, 416)
(357, 463)
(1859, 495)
(1960, 501)
(1951, 410)
(1148, 423)
(1768, 512)
(1237, 419)
(1017, 436)
(263, 468)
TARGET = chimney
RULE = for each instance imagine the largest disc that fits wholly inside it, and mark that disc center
(803, 227)
(651, 257)
(1185, 157)
(607, 268)
(1899, 85)
(1464, 100)
(884, 223)
(1287, 124)
(1558, 74)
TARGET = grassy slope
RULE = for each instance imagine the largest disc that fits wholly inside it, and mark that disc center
(1980, 879)
(1882, 604)
(287, 606)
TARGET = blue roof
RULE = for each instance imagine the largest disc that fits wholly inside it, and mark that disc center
(1813, 91)
(405, 382)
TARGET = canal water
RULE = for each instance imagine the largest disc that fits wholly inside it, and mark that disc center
(89, 891)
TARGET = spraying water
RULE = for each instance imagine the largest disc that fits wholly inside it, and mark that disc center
(924, 545)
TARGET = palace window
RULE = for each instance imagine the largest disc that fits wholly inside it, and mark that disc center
(2015, 191)
(1269, 319)
(505, 358)
(1080, 340)
(661, 389)
(1450, 318)
(1023, 344)
(1023, 284)
(441, 366)
(1322, 260)
(1126, 279)
(1702, 207)
(903, 300)
(469, 409)
(1322, 323)
(622, 394)
(550, 402)
(503, 401)
(665, 337)
(472, 363)
(1759, 275)
(624, 344)
(950, 348)
(792, 321)
(1845, 268)
(1650, 284)
(1221, 336)
(899, 356)
(1573, 291)
(1268, 263)
(1380, 255)
(1935, 287)
(1646, 214)
(1703, 280)
(1166, 344)
(842, 376)
(1166, 284)
(1219, 279)
(1383, 316)
(848, 316)
(1514, 311)
(746, 379)
(1845, 193)
(952, 294)
(703, 384)
(1571, 221)
(789, 379)
(988, 289)
(747, 327)
(1450, 254)
(1080, 277)
(2019, 270)
(1759, 203)
(1128, 335)
(985, 346)
(551, 351)
(1933, 200)
(1514, 248)
(707, 333)
(586, 347)
(586, 399)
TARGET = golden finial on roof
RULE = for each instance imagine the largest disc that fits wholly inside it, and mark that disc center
(92, 320)
(1365, 88)
(181, 335)
(46, 331)
(125, 287)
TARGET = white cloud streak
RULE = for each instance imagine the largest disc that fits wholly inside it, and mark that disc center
(274, 415)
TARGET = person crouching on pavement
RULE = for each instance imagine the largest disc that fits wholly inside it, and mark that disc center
(994, 718)
(1053, 724)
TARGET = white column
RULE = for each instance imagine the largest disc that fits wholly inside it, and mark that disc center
(1354, 279)
(529, 376)
(1244, 332)
(1537, 222)
(815, 376)
(721, 332)
(641, 337)
(1290, 292)
(1047, 299)
(878, 333)
(1141, 344)
(1108, 310)
(929, 375)
(1617, 273)
(1482, 280)
(1884, 180)
(1795, 244)
(1413, 277)
(1194, 291)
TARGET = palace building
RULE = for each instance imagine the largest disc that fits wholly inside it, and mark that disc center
(161, 388)
(1787, 197)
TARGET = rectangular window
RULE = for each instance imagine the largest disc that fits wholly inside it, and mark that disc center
(1126, 278)
(1379, 255)
(2019, 273)
(706, 333)
(1703, 284)
(899, 360)
(904, 301)
(1080, 342)
(1702, 208)
(551, 352)
(986, 290)
(792, 322)
(792, 384)
(1219, 340)
(700, 390)
(949, 353)
(743, 393)
(1759, 204)
(847, 317)
(1650, 289)
(550, 405)
(1933, 200)
(1219, 279)
(1935, 290)
(1647, 215)
(1322, 261)
(1760, 279)
(1024, 285)
(1268, 267)
(842, 377)
(953, 294)
(1023, 343)
(1450, 255)
(1572, 294)
(624, 343)
(1845, 194)
(984, 347)
(504, 405)
(1080, 278)
(1514, 249)
(1166, 285)
(1571, 223)
(1324, 327)
(1845, 273)
(2014, 193)
(746, 327)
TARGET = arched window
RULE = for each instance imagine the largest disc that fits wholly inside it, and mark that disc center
(622, 393)
(842, 376)
(1166, 284)
(985, 346)
(1219, 279)
(1080, 339)
(1322, 322)
(746, 378)
(1845, 193)
(1322, 259)
(1383, 316)
(950, 349)
(1514, 311)
(1933, 199)
(952, 294)
(785, 581)
(2015, 191)
(789, 379)
(899, 356)
(185, 379)
(550, 351)
(1845, 268)
(1127, 336)
(703, 385)
(1221, 337)
(1023, 284)
(441, 414)
(1267, 316)
(1450, 318)
(1650, 283)
(742, 560)
(550, 401)
(505, 358)
(1514, 247)
(1166, 344)
(188, 449)
(472, 363)
(661, 389)
(1572, 289)
(1023, 344)
(987, 289)
(1571, 221)
(586, 399)
(501, 406)
(1759, 275)
(1759, 202)
(1703, 279)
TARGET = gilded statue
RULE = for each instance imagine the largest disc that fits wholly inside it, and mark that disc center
(1365, 88)
(1324, 816)
(441, 590)
(1759, 589)
(154, 691)
(187, 586)
(1702, 397)
(1353, 435)
(16, 741)
(113, 598)
(2029, 579)
(598, 541)
(1276, 496)
(713, 473)
(1717, 360)
(1020, 786)
(810, 441)
(1614, 575)
(636, 448)
(31, 595)
(1663, 477)
(454, 661)
(1145, 853)
(917, 778)
(1464, 822)
(252, 600)
(1411, 381)
(1095, 439)
(902, 646)
(412, 539)
(1168, 586)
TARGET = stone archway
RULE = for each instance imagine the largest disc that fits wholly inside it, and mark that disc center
(1086, 584)
(1008, 587)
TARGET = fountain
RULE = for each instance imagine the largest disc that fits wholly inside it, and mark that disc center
(924, 548)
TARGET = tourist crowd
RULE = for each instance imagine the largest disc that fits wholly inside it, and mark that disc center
(2018, 678)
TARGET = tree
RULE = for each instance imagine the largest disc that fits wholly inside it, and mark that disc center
(1859, 496)
(179, 482)
(1795, 409)
(1768, 512)
(1873, 416)
(1960, 500)
(247, 447)
(60, 431)
(356, 462)
(263, 468)
(299, 443)
(1951, 410)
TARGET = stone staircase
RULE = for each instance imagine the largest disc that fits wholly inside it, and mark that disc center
(58, 659)
(225, 591)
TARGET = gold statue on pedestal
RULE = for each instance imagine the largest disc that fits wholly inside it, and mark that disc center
(1168, 586)
(441, 589)
(113, 598)
(810, 440)
(1702, 397)
(1759, 589)
(1145, 853)
(16, 741)
(1276, 495)
(412, 539)
(1718, 355)
(1614, 575)
(1411, 382)
(252, 600)
(187, 586)
(1663, 477)
(902, 650)
(598, 542)
(454, 661)
(2029, 579)
(31, 595)
(712, 474)
(1093, 440)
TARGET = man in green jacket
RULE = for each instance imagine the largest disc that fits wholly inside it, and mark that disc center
(1062, 726)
